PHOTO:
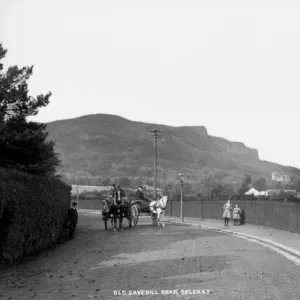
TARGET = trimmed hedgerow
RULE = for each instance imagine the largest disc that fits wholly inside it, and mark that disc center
(33, 213)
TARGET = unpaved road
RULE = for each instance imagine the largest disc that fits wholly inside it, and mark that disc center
(149, 258)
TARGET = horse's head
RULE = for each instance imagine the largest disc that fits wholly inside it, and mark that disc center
(163, 201)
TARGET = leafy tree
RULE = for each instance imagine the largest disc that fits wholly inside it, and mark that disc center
(297, 185)
(244, 185)
(187, 187)
(208, 184)
(216, 190)
(260, 184)
(227, 190)
(278, 185)
(23, 144)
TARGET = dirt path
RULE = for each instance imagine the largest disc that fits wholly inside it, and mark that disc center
(148, 258)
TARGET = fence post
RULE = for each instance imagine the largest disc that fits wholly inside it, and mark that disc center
(271, 210)
(202, 209)
(245, 211)
(255, 213)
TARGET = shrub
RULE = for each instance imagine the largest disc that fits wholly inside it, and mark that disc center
(34, 211)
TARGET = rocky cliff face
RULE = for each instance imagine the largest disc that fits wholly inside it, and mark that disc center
(236, 147)
(110, 145)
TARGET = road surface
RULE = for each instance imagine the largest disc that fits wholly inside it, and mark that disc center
(175, 258)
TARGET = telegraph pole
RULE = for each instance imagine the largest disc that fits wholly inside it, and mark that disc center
(155, 132)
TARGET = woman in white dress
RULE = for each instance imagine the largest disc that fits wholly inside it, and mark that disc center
(236, 215)
(226, 214)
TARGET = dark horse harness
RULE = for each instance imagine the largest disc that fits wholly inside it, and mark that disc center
(118, 198)
(117, 201)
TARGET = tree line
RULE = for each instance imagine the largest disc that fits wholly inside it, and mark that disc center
(208, 189)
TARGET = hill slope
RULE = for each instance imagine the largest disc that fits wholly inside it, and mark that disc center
(103, 145)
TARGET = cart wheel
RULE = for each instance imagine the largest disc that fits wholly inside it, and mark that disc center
(128, 215)
(134, 215)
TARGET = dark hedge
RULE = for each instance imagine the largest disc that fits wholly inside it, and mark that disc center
(33, 213)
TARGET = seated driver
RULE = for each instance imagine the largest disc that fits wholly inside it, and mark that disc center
(141, 193)
(112, 190)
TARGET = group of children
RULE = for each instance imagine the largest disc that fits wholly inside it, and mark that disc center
(227, 213)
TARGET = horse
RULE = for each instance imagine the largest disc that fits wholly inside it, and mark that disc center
(116, 208)
(157, 209)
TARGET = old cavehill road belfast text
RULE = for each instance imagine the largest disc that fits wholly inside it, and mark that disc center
(160, 292)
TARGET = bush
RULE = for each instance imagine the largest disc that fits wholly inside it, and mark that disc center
(32, 215)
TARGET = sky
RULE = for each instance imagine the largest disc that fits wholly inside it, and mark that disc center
(231, 66)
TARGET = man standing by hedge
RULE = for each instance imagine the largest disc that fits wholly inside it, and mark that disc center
(73, 219)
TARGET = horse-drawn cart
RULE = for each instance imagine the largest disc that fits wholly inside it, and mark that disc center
(154, 208)
(124, 210)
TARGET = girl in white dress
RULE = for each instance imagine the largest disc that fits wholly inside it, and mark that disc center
(226, 214)
(236, 215)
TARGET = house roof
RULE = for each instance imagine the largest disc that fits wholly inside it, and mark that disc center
(252, 191)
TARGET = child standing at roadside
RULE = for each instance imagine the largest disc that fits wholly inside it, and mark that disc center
(236, 215)
(226, 214)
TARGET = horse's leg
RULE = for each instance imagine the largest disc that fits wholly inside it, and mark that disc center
(115, 219)
(120, 219)
(158, 217)
(154, 219)
(162, 214)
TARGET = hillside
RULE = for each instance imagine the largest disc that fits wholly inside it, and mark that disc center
(95, 147)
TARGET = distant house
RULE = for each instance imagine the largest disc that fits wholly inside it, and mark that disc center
(277, 192)
(273, 192)
(270, 192)
(291, 191)
(264, 193)
(281, 177)
(253, 191)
